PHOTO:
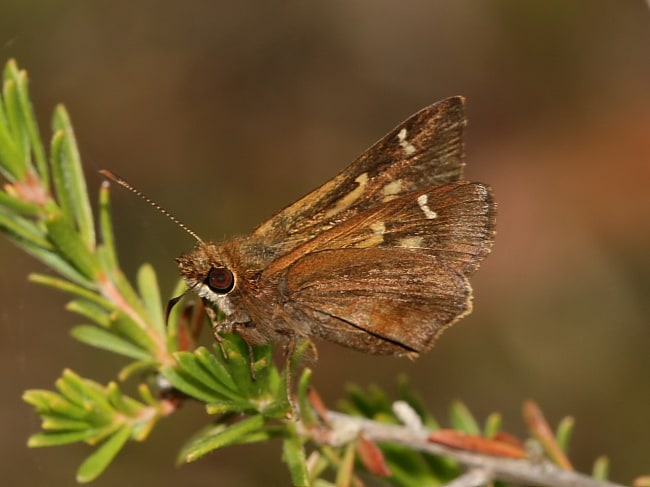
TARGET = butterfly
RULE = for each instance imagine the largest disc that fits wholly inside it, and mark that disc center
(376, 259)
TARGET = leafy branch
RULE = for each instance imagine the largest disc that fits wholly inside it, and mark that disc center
(45, 210)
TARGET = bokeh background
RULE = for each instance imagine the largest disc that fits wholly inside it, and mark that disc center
(227, 111)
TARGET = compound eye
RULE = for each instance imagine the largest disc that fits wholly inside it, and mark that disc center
(220, 280)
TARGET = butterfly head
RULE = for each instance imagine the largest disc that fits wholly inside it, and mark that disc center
(206, 273)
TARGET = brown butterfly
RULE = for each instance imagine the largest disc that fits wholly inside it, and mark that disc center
(376, 259)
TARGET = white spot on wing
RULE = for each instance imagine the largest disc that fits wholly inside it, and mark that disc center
(423, 200)
(405, 144)
(411, 242)
(391, 190)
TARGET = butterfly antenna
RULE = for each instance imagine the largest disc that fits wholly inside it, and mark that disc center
(125, 184)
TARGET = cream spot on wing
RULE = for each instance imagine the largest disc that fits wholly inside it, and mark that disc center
(351, 197)
(378, 228)
(405, 144)
(411, 242)
(377, 237)
(391, 190)
(423, 200)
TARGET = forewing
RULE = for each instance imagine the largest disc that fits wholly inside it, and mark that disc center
(453, 222)
(424, 150)
(381, 300)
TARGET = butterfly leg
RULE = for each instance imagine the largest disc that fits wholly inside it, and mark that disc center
(289, 350)
(217, 328)
(251, 356)
(296, 347)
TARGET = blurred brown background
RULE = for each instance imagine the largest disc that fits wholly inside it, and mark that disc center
(226, 111)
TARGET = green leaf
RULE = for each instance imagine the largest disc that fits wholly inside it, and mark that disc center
(220, 437)
(106, 340)
(39, 398)
(63, 196)
(307, 414)
(69, 179)
(63, 267)
(72, 247)
(318, 463)
(72, 388)
(54, 423)
(218, 370)
(188, 385)
(30, 125)
(107, 247)
(90, 310)
(293, 454)
(264, 369)
(122, 403)
(23, 231)
(600, 470)
(97, 462)
(17, 163)
(62, 407)
(206, 434)
(150, 293)
(224, 406)
(462, 420)
(11, 162)
(563, 433)
(70, 288)
(137, 332)
(344, 473)
(42, 250)
(239, 364)
(17, 205)
(492, 425)
(194, 368)
(147, 396)
(57, 438)
(84, 392)
(139, 367)
(128, 294)
(322, 483)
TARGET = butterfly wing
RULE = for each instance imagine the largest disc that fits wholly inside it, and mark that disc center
(453, 222)
(392, 278)
(378, 257)
(424, 150)
(379, 300)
